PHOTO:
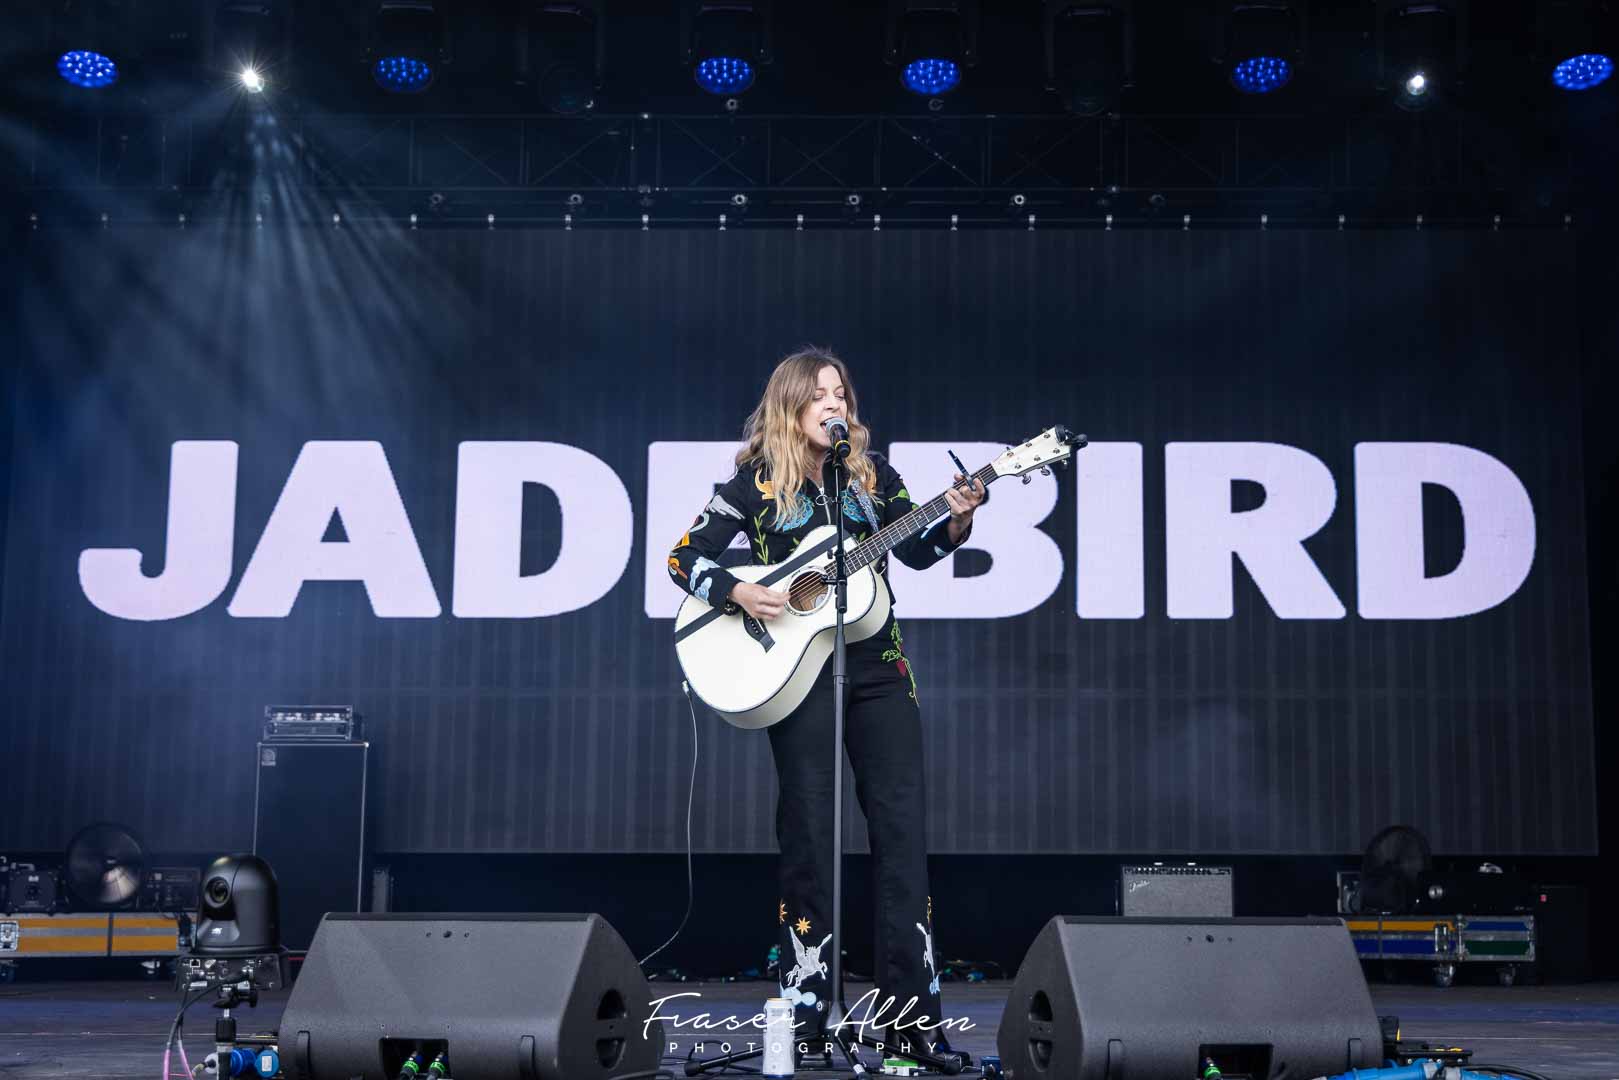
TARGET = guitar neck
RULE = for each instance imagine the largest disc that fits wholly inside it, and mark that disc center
(891, 536)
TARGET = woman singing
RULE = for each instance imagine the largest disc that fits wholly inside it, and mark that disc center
(777, 496)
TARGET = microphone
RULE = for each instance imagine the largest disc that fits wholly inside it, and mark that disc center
(837, 432)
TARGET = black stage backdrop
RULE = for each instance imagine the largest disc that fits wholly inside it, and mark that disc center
(1122, 712)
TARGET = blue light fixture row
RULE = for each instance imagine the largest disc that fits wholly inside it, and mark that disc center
(728, 75)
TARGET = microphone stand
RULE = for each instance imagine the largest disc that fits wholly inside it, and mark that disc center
(835, 1008)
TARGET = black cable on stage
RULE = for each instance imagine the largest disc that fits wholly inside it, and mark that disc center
(732, 1070)
(187, 1000)
(1512, 1071)
(691, 792)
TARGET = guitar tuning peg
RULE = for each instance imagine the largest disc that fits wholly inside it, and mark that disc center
(1027, 479)
(1046, 471)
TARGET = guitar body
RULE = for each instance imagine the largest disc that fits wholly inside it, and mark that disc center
(754, 674)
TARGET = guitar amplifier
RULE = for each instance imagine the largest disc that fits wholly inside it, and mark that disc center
(1184, 890)
(311, 723)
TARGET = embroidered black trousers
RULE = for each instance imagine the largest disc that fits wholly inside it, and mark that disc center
(883, 738)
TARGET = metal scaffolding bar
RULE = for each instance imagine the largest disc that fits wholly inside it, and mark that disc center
(680, 166)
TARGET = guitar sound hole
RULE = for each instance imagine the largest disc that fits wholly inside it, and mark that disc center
(807, 593)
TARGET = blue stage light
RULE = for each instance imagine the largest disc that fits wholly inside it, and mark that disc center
(1582, 72)
(724, 75)
(91, 70)
(1261, 74)
(402, 74)
(930, 78)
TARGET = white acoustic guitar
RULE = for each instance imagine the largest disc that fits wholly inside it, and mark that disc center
(754, 673)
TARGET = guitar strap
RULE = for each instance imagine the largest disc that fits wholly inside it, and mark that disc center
(866, 508)
(865, 503)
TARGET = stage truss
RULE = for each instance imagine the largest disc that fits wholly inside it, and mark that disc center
(845, 169)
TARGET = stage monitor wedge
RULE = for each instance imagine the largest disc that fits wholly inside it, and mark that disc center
(1143, 998)
(505, 997)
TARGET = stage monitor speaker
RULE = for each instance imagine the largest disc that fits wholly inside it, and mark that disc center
(503, 997)
(309, 825)
(1143, 998)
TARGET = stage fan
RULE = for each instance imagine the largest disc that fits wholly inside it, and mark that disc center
(1390, 870)
(106, 866)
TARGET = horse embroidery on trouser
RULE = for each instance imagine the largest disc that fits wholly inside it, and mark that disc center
(927, 957)
(808, 965)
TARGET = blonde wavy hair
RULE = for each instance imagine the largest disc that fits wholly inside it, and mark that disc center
(773, 439)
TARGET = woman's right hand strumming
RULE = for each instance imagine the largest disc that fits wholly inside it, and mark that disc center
(762, 603)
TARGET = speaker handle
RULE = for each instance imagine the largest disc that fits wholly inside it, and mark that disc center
(1115, 1059)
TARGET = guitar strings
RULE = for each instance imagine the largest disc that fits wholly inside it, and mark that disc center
(872, 548)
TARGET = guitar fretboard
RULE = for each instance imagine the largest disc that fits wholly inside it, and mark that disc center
(892, 535)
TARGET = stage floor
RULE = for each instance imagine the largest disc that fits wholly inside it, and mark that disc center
(113, 1029)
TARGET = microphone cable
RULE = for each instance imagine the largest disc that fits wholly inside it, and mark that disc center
(691, 792)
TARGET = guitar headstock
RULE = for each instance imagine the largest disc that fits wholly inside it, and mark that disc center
(1053, 446)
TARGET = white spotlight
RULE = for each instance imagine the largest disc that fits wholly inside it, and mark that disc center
(252, 81)
(1417, 84)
